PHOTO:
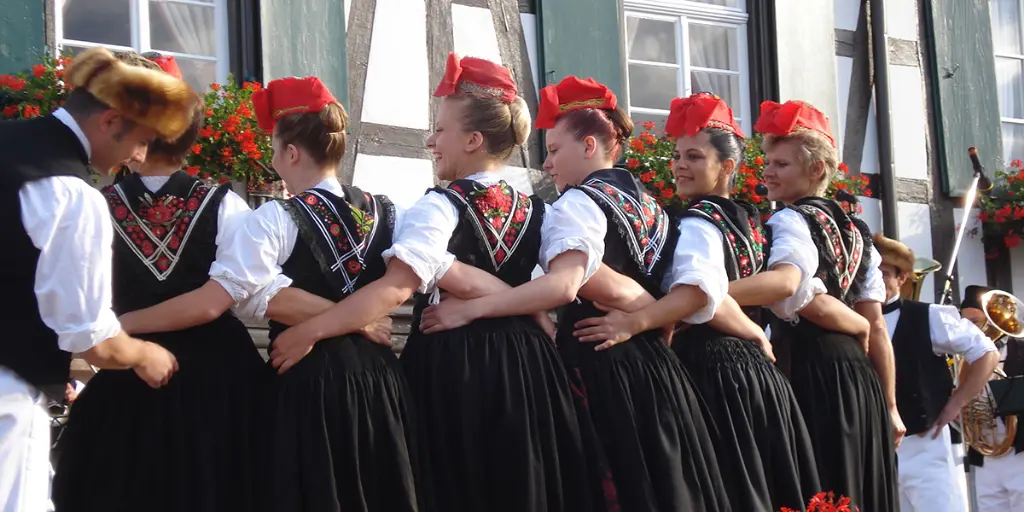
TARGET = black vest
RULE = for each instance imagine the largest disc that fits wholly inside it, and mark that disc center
(923, 382)
(31, 150)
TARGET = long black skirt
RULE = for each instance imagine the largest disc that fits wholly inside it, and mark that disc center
(497, 426)
(342, 436)
(764, 448)
(843, 404)
(190, 446)
(648, 420)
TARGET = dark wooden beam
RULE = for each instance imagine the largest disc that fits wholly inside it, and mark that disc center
(383, 140)
(357, 42)
(858, 103)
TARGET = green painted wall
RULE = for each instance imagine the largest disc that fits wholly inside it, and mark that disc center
(22, 34)
(582, 38)
(966, 105)
(305, 37)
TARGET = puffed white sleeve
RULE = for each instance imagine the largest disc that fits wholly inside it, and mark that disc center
(231, 215)
(574, 223)
(251, 264)
(792, 245)
(69, 222)
(421, 239)
(953, 334)
(699, 260)
(873, 289)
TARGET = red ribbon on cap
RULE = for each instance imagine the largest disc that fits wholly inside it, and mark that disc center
(169, 65)
(286, 96)
(784, 119)
(688, 116)
(570, 94)
(476, 76)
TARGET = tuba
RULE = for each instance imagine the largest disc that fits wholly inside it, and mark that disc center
(922, 267)
(1004, 316)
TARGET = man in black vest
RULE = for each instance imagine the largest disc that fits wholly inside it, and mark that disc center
(998, 481)
(57, 239)
(921, 336)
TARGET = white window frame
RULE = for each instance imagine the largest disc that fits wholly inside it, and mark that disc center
(1017, 57)
(141, 37)
(683, 13)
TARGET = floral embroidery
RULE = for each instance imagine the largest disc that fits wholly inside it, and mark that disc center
(745, 254)
(647, 223)
(500, 216)
(159, 229)
(347, 246)
(847, 259)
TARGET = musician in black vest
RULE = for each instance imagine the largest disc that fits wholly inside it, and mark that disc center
(921, 336)
(57, 254)
(998, 480)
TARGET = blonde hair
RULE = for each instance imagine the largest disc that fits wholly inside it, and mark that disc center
(322, 133)
(814, 147)
(503, 125)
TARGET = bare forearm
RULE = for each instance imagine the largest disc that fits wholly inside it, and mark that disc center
(680, 303)
(830, 313)
(119, 352)
(366, 305)
(200, 306)
(468, 282)
(880, 349)
(292, 306)
(731, 320)
(766, 287)
(556, 288)
(616, 290)
(975, 377)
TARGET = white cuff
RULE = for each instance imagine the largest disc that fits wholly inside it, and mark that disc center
(88, 336)
(714, 298)
(567, 244)
(428, 271)
(236, 291)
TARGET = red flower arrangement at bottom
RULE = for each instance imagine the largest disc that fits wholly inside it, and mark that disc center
(825, 502)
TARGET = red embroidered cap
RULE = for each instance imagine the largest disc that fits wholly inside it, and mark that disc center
(688, 116)
(478, 76)
(169, 65)
(783, 119)
(286, 96)
(570, 94)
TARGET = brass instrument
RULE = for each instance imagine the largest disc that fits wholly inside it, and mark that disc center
(1004, 316)
(922, 267)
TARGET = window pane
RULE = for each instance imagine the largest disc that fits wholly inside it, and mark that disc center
(98, 21)
(182, 28)
(1013, 141)
(651, 40)
(652, 86)
(726, 3)
(1010, 78)
(712, 46)
(198, 73)
(639, 120)
(726, 87)
(1006, 27)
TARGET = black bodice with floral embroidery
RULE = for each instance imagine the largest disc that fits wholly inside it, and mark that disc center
(640, 236)
(165, 241)
(843, 242)
(743, 236)
(340, 242)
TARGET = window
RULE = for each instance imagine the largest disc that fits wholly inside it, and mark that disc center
(678, 47)
(195, 32)
(1008, 39)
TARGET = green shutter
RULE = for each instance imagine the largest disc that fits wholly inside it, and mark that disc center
(305, 37)
(582, 38)
(966, 106)
(22, 34)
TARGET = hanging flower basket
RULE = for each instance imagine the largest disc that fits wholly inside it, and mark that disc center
(650, 159)
(1001, 211)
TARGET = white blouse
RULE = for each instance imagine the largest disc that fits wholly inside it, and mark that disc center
(792, 245)
(950, 333)
(574, 223)
(699, 260)
(251, 267)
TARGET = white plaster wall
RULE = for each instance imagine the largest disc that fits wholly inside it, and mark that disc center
(529, 23)
(871, 213)
(869, 153)
(518, 177)
(807, 69)
(915, 224)
(397, 74)
(473, 31)
(847, 12)
(901, 19)
(403, 180)
(844, 71)
(970, 262)
(910, 156)
(348, 9)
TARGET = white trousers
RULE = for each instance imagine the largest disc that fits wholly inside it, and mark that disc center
(999, 484)
(928, 475)
(24, 446)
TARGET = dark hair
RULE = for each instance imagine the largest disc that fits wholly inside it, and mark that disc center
(322, 134)
(728, 145)
(610, 127)
(175, 151)
(503, 125)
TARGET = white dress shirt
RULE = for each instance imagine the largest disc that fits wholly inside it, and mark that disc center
(699, 260)
(574, 223)
(792, 245)
(68, 221)
(950, 333)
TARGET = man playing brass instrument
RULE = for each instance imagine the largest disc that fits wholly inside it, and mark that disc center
(921, 336)
(999, 479)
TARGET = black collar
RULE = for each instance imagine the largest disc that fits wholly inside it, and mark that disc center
(892, 306)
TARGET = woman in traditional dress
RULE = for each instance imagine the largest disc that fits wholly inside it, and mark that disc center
(191, 445)
(818, 248)
(648, 419)
(495, 411)
(765, 450)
